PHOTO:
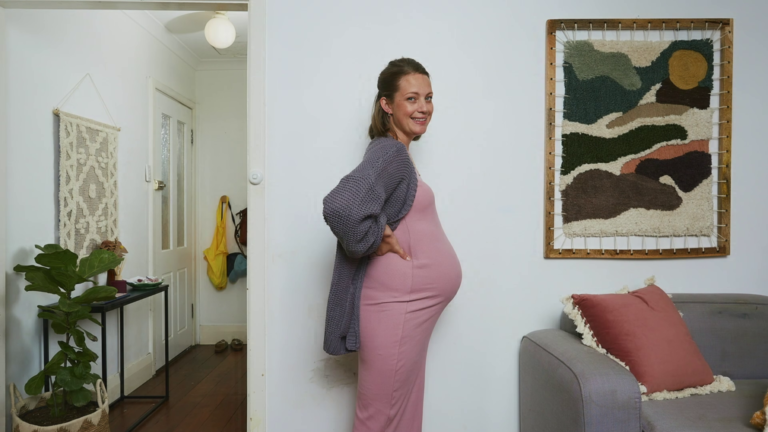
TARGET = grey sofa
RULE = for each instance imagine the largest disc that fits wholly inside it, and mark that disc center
(568, 387)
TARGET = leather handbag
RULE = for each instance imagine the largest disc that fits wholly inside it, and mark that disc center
(242, 227)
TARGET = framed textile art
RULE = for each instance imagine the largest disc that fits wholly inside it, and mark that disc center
(87, 183)
(638, 143)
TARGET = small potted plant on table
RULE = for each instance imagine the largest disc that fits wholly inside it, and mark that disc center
(69, 406)
(115, 275)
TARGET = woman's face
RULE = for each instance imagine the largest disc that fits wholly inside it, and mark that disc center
(411, 108)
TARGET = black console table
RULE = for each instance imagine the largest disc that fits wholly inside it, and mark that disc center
(109, 305)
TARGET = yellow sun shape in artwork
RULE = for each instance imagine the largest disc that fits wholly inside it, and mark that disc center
(687, 68)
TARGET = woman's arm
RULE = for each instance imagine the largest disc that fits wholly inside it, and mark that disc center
(353, 211)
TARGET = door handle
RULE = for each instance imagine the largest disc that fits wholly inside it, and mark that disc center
(159, 185)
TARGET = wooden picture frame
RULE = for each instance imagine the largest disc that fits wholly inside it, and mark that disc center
(556, 243)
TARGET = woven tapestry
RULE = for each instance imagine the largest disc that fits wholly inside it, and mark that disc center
(635, 138)
(87, 183)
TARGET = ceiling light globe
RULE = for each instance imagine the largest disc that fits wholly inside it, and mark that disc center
(219, 31)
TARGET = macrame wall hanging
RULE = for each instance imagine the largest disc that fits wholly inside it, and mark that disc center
(87, 180)
(638, 138)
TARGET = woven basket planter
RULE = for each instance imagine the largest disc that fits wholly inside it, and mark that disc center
(98, 421)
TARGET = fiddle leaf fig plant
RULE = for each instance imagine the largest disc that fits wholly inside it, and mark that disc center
(58, 272)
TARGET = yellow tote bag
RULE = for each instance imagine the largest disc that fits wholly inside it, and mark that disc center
(216, 255)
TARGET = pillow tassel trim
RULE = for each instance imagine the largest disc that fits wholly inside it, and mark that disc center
(720, 383)
(588, 338)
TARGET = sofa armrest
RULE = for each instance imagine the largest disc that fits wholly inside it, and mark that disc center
(567, 386)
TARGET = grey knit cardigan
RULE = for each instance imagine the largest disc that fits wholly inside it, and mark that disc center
(378, 192)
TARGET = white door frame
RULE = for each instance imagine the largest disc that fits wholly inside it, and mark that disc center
(154, 86)
(190, 5)
(3, 204)
(257, 241)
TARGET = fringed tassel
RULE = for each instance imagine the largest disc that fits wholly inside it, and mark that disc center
(588, 338)
(720, 384)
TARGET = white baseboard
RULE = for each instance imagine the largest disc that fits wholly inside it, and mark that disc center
(136, 374)
(210, 334)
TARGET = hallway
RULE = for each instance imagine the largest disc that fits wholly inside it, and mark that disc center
(208, 393)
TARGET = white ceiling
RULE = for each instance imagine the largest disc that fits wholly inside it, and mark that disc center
(188, 28)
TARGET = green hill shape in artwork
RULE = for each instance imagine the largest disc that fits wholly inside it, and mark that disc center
(587, 63)
(581, 149)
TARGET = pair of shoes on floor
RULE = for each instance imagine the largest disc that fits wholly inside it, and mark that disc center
(221, 346)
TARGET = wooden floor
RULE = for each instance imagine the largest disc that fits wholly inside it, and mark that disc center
(208, 394)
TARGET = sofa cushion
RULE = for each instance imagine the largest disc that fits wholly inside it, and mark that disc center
(715, 412)
(730, 331)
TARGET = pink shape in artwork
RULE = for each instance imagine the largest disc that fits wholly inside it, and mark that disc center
(667, 152)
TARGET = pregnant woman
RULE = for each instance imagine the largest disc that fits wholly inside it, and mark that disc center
(395, 270)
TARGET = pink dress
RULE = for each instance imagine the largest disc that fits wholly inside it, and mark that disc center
(401, 302)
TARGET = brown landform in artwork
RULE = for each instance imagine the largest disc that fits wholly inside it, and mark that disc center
(687, 171)
(598, 194)
(667, 152)
(651, 110)
(697, 97)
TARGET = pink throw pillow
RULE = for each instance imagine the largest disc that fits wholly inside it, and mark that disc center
(644, 330)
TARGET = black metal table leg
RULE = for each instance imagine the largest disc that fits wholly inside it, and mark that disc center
(162, 399)
(46, 354)
(122, 357)
(104, 348)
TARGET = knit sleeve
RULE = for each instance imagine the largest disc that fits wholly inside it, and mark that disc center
(353, 211)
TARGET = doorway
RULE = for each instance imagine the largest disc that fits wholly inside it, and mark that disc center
(112, 72)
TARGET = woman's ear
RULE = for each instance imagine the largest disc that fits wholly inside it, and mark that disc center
(385, 105)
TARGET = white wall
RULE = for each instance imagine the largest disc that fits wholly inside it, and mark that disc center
(3, 186)
(484, 157)
(48, 52)
(220, 139)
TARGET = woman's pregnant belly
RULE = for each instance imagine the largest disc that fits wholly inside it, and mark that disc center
(436, 267)
(434, 270)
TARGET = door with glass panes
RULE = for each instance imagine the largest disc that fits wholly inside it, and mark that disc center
(173, 224)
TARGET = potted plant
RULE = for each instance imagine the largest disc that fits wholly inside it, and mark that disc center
(70, 405)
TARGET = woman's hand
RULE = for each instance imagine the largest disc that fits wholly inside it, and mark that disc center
(389, 244)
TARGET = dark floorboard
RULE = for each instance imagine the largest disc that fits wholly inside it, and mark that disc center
(208, 394)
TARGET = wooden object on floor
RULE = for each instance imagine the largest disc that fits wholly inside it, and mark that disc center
(208, 393)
